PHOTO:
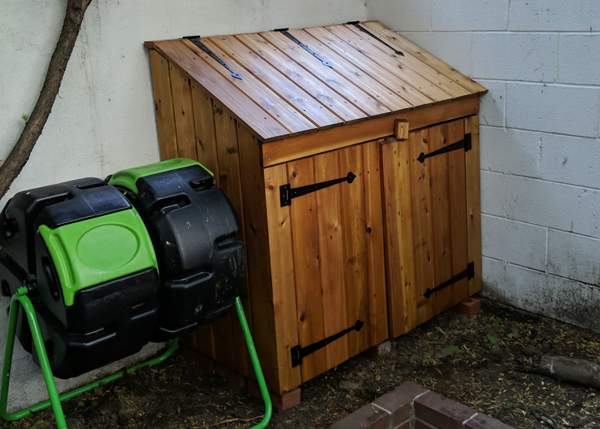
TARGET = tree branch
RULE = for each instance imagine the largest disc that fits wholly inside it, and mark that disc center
(21, 151)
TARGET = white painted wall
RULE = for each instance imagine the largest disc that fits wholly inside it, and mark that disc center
(540, 131)
(103, 119)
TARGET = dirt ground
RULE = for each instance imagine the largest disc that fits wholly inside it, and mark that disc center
(483, 361)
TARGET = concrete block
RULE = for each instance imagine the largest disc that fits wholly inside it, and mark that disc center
(565, 207)
(518, 56)
(572, 160)
(574, 256)
(554, 15)
(406, 15)
(453, 47)
(553, 108)
(515, 242)
(464, 15)
(578, 53)
(492, 104)
(541, 293)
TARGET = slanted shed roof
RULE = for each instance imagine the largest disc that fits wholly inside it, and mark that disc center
(281, 83)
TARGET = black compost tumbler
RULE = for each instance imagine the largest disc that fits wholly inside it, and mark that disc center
(146, 255)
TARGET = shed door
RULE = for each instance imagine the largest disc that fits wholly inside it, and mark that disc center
(426, 223)
(338, 255)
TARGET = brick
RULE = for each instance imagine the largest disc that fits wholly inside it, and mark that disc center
(441, 412)
(564, 207)
(404, 425)
(556, 297)
(492, 104)
(367, 417)
(469, 307)
(464, 15)
(518, 56)
(554, 15)
(398, 401)
(553, 108)
(574, 256)
(572, 160)
(407, 15)
(516, 242)
(481, 421)
(576, 53)
(454, 47)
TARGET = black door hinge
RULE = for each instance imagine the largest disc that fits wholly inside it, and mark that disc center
(463, 144)
(299, 353)
(322, 59)
(287, 193)
(358, 25)
(196, 41)
(468, 273)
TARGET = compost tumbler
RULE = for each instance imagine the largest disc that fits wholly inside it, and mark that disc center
(109, 266)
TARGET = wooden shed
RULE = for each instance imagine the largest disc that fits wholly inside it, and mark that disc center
(352, 159)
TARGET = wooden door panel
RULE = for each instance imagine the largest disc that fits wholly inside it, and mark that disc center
(338, 250)
(426, 220)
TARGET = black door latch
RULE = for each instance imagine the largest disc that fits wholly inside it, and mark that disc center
(287, 193)
(468, 273)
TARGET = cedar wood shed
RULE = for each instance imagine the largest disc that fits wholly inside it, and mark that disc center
(351, 157)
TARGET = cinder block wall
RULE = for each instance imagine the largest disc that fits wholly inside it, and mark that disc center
(540, 60)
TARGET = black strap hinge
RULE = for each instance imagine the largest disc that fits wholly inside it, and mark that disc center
(322, 59)
(287, 193)
(463, 144)
(358, 25)
(196, 40)
(299, 353)
(468, 273)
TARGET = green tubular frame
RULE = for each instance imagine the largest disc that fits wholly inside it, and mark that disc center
(20, 301)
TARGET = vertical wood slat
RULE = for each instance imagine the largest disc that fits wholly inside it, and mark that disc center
(282, 278)
(331, 256)
(422, 233)
(374, 231)
(163, 105)
(257, 250)
(440, 207)
(474, 202)
(458, 211)
(401, 270)
(227, 334)
(305, 236)
(204, 127)
(183, 112)
(354, 245)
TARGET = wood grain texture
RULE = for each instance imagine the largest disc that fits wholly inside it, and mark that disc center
(282, 278)
(163, 105)
(286, 91)
(474, 202)
(183, 113)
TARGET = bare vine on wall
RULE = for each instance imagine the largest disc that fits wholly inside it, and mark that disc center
(34, 126)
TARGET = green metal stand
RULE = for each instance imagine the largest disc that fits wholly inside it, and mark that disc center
(20, 301)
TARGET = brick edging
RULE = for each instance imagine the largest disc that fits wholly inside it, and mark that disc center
(411, 406)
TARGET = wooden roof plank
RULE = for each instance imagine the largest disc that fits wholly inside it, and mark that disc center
(247, 110)
(353, 73)
(399, 86)
(410, 61)
(274, 79)
(357, 41)
(404, 44)
(257, 91)
(313, 85)
(371, 105)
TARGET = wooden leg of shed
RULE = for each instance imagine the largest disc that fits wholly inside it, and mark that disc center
(281, 401)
